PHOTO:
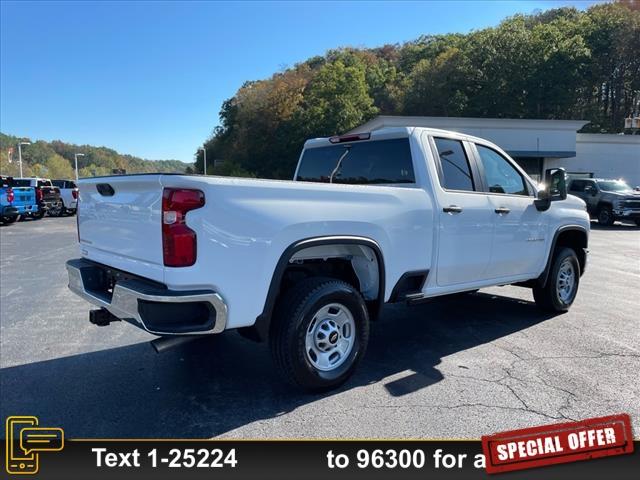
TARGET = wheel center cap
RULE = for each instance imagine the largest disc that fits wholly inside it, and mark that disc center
(333, 338)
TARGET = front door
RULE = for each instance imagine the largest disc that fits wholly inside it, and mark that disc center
(520, 229)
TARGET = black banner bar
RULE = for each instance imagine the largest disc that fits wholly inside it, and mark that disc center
(295, 460)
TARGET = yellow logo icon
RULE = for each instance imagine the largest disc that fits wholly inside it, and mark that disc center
(25, 441)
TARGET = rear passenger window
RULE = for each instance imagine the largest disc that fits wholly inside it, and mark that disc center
(455, 171)
(366, 163)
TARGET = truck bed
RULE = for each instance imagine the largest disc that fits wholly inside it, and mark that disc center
(244, 227)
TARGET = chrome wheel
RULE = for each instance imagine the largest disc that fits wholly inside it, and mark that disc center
(566, 282)
(330, 337)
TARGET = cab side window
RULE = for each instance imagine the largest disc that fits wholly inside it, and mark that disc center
(499, 174)
(455, 171)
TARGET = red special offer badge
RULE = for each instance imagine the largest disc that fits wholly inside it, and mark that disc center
(559, 443)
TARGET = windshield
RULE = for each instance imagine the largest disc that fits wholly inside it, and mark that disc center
(613, 186)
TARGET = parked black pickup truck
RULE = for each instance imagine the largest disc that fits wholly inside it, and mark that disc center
(47, 196)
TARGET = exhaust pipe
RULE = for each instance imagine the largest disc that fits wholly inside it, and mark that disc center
(162, 344)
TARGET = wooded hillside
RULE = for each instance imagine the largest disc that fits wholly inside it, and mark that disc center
(56, 160)
(557, 64)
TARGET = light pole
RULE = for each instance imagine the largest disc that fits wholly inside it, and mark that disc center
(20, 154)
(76, 159)
(204, 153)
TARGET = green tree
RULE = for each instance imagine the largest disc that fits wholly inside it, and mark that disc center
(336, 100)
(441, 86)
(59, 167)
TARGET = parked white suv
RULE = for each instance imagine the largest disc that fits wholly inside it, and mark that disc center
(68, 195)
(396, 215)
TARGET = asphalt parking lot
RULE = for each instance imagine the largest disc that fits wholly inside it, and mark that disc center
(455, 368)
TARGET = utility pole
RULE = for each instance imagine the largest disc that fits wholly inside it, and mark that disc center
(20, 154)
(204, 153)
(76, 159)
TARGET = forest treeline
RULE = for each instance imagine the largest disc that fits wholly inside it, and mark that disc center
(56, 160)
(562, 63)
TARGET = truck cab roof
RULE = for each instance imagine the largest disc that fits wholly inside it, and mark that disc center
(388, 133)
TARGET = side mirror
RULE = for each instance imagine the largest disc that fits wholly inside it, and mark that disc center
(555, 189)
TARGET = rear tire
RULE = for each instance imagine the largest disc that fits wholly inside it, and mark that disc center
(562, 284)
(9, 220)
(319, 333)
(38, 215)
(605, 216)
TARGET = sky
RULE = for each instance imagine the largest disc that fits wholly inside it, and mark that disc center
(149, 78)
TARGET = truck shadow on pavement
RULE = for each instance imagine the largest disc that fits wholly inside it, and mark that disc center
(210, 387)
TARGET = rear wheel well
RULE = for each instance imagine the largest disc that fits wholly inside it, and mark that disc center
(355, 261)
(338, 268)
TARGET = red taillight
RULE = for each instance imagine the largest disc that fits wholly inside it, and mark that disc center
(179, 243)
(10, 195)
(74, 194)
(38, 195)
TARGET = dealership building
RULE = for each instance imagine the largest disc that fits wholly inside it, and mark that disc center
(540, 144)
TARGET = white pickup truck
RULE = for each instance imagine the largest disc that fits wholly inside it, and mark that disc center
(396, 215)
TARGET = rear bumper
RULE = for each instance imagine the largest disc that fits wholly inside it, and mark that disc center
(147, 305)
(27, 209)
(9, 211)
(49, 204)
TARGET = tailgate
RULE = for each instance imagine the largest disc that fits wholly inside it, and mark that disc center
(24, 195)
(49, 194)
(119, 223)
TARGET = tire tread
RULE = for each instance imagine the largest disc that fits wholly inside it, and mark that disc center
(290, 306)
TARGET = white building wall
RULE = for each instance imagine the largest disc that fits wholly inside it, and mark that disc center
(604, 155)
(525, 135)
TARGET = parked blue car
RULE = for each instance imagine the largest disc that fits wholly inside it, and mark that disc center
(16, 202)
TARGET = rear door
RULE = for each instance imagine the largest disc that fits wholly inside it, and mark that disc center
(120, 223)
(520, 229)
(465, 217)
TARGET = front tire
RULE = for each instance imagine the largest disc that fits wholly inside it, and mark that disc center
(562, 285)
(605, 216)
(319, 333)
(9, 220)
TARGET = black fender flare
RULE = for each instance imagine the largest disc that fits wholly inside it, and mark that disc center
(542, 279)
(260, 329)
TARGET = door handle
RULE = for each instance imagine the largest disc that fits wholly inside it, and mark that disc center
(452, 209)
(502, 210)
